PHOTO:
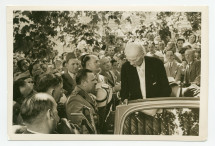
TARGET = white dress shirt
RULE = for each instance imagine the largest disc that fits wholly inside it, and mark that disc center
(141, 74)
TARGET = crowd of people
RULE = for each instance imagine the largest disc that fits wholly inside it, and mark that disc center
(76, 92)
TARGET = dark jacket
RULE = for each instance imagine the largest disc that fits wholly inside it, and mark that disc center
(68, 83)
(157, 84)
(193, 72)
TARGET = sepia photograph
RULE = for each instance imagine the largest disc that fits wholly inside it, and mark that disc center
(107, 73)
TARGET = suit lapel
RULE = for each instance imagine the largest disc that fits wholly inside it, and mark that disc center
(69, 79)
(147, 71)
(109, 77)
(174, 69)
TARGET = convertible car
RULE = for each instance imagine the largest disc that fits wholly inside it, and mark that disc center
(158, 116)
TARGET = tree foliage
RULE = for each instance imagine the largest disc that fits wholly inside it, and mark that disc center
(33, 30)
(195, 20)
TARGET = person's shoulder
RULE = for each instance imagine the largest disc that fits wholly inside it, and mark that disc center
(66, 76)
(126, 64)
(73, 98)
(166, 64)
(197, 62)
(153, 59)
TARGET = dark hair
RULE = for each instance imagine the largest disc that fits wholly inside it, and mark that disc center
(182, 51)
(198, 51)
(151, 42)
(82, 75)
(62, 55)
(84, 58)
(35, 106)
(195, 37)
(119, 38)
(17, 95)
(32, 65)
(70, 56)
(113, 61)
(95, 48)
(180, 39)
(19, 64)
(47, 81)
(64, 63)
(170, 51)
(103, 47)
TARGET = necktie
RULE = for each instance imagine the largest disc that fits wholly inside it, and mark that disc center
(170, 69)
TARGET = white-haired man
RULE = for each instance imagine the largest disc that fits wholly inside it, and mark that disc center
(142, 76)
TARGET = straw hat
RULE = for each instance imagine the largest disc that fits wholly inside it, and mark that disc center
(104, 94)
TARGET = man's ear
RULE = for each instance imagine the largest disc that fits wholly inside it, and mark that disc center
(51, 92)
(66, 64)
(83, 82)
(50, 114)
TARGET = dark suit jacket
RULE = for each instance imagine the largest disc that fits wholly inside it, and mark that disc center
(68, 83)
(193, 72)
(174, 71)
(109, 78)
(157, 84)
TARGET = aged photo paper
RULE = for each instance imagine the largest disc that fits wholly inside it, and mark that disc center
(177, 118)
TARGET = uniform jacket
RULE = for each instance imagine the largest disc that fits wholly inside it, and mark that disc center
(75, 103)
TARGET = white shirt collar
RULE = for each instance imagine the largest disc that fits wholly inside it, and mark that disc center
(71, 74)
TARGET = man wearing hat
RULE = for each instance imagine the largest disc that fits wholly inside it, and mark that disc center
(142, 76)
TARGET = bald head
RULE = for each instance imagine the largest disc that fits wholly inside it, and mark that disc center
(134, 54)
(132, 50)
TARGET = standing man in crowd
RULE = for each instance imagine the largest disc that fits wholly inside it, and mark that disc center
(160, 52)
(193, 68)
(173, 69)
(179, 46)
(142, 76)
(151, 49)
(72, 64)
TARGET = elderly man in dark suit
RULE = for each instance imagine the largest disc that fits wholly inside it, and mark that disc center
(142, 76)
(72, 64)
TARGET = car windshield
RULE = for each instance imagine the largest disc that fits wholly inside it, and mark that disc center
(166, 121)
